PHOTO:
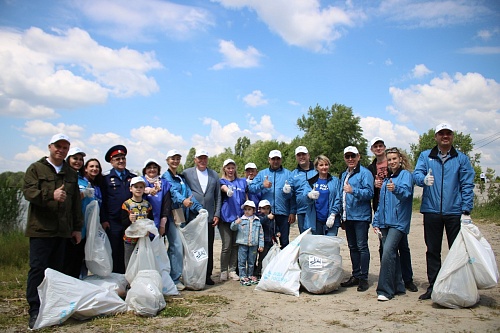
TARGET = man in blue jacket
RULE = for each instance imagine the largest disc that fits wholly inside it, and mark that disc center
(447, 177)
(273, 185)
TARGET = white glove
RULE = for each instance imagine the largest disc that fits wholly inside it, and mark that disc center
(313, 195)
(429, 179)
(229, 191)
(287, 188)
(465, 219)
(249, 181)
(89, 192)
(330, 221)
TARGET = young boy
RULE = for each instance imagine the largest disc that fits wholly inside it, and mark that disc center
(250, 239)
(133, 209)
(271, 232)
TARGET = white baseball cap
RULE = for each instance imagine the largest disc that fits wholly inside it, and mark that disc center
(375, 140)
(443, 126)
(250, 166)
(173, 152)
(274, 153)
(201, 152)
(149, 161)
(58, 137)
(301, 149)
(74, 151)
(226, 162)
(264, 203)
(351, 149)
(136, 180)
(248, 203)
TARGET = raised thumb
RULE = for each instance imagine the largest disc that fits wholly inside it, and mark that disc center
(267, 177)
(430, 172)
(390, 180)
(62, 187)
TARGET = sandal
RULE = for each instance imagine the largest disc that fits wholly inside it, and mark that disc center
(254, 280)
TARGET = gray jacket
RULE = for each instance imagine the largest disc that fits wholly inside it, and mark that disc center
(211, 199)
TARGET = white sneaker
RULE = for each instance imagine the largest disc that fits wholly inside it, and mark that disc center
(180, 286)
(234, 276)
(223, 276)
(382, 298)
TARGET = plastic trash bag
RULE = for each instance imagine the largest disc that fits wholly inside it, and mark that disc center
(282, 274)
(115, 282)
(145, 297)
(273, 252)
(143, 258)
(163, 265)
(97, 247)
(320, 263)
(194, 237)
(141, 228)
(481, 256)
(62, 296)
(455, 286)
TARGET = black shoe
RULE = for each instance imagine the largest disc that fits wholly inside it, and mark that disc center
(427, 295)
(363, 285)
(351, 282)
(210, 282)
(32, 321)
(411, 286)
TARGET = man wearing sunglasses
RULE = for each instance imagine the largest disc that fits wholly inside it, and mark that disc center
(115, 191)
(356, 184)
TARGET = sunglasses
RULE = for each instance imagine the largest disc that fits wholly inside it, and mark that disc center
(349, 156)
(392, 150)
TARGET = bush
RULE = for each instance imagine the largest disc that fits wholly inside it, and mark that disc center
(12, 208)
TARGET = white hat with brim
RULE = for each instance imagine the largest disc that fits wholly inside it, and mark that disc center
(375, 140)
(201, 152)
(443, 126)
(136, 180)
(59, 137)
(76, 150)
(351, 149)
(264, 203)
(249, 203)
(301, 149)
(149, 161)
(173, 152)
(274, 153)
(228, 161)
(250, 166)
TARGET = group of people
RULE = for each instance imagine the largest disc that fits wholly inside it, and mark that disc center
(251, 212)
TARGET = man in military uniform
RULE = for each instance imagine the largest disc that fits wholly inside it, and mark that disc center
(115, 190)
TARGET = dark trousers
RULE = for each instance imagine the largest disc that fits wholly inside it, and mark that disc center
(434, 225)
(74, 258)
(45, 252)
(404, 258)
(115, 235)
(357, 240)
(211, 238)
(260, 258)
(284, 229)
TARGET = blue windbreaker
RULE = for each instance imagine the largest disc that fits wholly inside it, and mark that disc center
(453, 189)
(298, 179)
(394, 208)
(180, 190)
(358, 203)
(281, 203)
(159, 200)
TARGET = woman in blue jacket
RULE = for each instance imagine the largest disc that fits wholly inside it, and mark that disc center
(392, 222)
(320, 196)
(233, 197)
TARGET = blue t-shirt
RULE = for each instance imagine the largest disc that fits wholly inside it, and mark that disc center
(231, 206)
(322, 202)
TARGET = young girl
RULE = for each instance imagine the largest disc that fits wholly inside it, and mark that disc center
(250, 239)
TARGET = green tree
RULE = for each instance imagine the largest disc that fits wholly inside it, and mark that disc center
(12, 208)
(329, 131)
(190, 158)
(241, 145)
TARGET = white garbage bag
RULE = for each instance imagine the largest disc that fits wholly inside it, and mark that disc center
(320, 263)
(194, 237)
(163, 264)
(481, 257)
(282, 274)
(63, 296)
(273, 252)
(143, 258)
(145, 297)
(115, 282)
(455, 286)
(97, 247)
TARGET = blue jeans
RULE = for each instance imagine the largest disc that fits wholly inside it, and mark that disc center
(434, 225)
(404, 258)
(322, 229)
(175, 252)
(284, 228)
(246, 260)
(357, 240)
(390, 281)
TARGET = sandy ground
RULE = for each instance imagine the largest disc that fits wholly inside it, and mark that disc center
(347, 310)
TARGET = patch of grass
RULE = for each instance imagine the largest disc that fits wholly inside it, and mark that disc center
(210, 299)
(14, 250)
(336, 323)
(405, 317)
(417, 201)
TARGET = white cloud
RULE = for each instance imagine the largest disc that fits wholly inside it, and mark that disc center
(33, 154)
(43, 72)
(143, 19)
(420, 71)
(394, 135)
(428, 14)
(302, 23)
(470, 102)
(487, 34)
(39, 130)
(481, 50)
(388, 62)
(294, 103)
(256, 98)
(157, 137)
(237, 58)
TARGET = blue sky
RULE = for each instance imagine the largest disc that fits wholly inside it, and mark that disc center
(156, 75)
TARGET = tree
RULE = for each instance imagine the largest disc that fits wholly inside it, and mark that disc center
(241, 145)
(329, 131)
(12, 208)
(190, 158)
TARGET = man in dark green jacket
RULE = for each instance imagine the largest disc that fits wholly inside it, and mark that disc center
(54, 214)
